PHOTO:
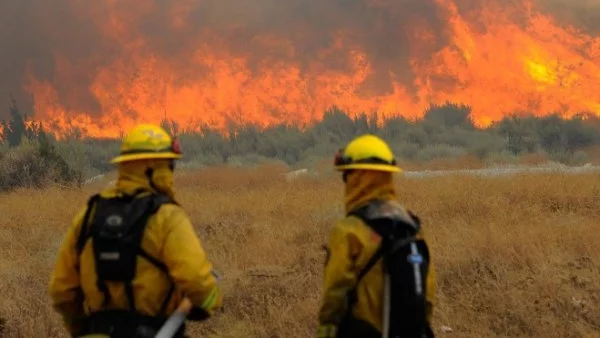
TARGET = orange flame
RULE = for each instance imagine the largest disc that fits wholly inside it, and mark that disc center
(491, 62)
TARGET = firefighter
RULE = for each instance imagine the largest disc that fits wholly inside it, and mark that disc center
(353, 298)
(131, 255)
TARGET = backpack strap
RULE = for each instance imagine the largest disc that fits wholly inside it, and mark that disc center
(370, 264)
(158, 201)
(384, 246)
(138, 228)
(85, 233)
(162, 267)
(352, 294)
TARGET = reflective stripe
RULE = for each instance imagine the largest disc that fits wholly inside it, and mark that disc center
(326, 331)
(210, 300)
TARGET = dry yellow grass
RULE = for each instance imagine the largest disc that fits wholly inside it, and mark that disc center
(516, 256)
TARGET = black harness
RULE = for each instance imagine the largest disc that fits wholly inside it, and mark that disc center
(408, 308)
(117, 228)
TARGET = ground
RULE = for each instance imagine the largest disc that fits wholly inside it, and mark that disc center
(516, 256)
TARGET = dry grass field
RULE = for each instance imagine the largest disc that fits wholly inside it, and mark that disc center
(516, 256)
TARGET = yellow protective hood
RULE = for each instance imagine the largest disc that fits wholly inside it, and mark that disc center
(134, 175)
(363, 186)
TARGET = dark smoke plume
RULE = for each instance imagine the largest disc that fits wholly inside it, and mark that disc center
(582, 14)
(67, 41)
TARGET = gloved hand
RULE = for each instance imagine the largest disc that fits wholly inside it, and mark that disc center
(75, 327)
(326, 331)
(198, 314)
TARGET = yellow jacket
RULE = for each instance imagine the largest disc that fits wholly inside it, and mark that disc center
(169, 237)
(351, 244)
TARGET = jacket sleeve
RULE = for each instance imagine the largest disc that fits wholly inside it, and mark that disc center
(339, 276)
(188, 264)
(64, 287)
(431, 281)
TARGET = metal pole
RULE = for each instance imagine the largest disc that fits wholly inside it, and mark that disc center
(385, 332)
(172, 324)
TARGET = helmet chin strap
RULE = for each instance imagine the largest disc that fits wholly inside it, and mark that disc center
(149, 174)
(345, 175)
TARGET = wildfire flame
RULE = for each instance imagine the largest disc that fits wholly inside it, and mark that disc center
(497, 56)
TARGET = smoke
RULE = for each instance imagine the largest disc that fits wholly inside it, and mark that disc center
(67, 42)
(34, 35)
(582, 14)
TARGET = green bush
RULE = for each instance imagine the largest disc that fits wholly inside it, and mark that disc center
(445, 131)
(35, 164)
(436, 151)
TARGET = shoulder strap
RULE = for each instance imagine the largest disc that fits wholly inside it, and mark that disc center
(84, 233)
(371, 263)
(352, 295)
(158, 201)
(361, 214)
(364, 213)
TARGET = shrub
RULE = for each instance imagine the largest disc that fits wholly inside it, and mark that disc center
(35, 164)
(446, 131)
(439, 151)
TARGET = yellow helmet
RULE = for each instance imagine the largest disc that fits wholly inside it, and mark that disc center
(147, 141)
(366, 152)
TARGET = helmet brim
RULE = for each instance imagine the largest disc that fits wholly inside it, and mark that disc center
(144, 156)
(369, 166)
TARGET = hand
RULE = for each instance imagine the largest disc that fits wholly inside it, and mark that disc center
(75, 325)
(198, 314)
(76, 328)
(326, 331)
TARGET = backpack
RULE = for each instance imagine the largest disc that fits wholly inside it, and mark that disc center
(405, 264)
(117, 229)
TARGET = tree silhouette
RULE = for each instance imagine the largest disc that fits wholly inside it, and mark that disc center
(14, 129)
